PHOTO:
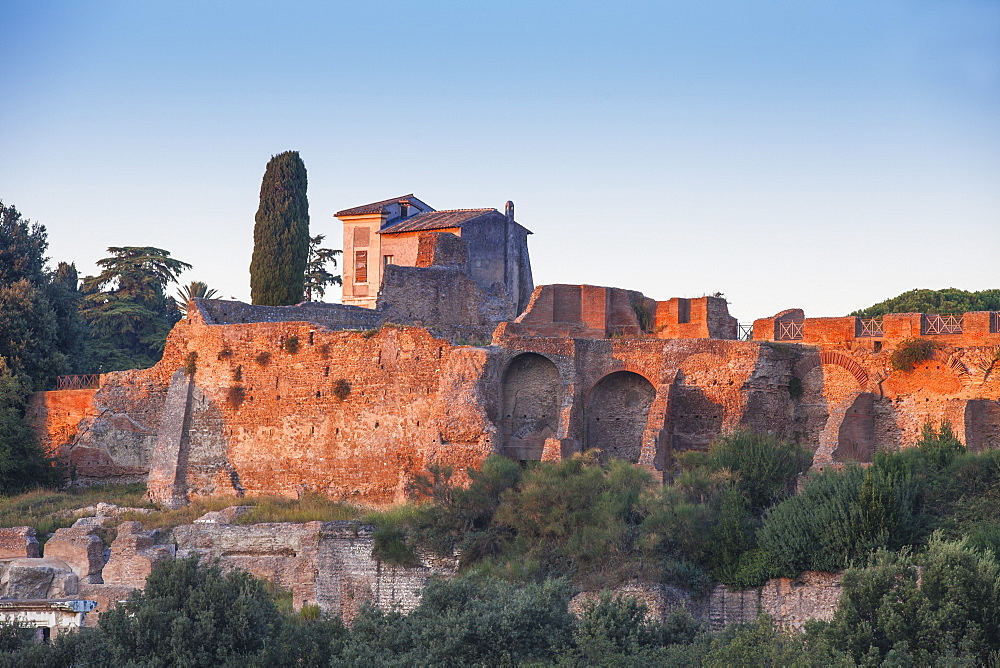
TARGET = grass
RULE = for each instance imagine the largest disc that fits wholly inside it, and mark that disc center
(48, 510)
(310, 508)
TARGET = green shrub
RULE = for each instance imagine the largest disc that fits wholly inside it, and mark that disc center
(838, 518)
(467, 621)
(235, 395)
(765, 467)
(939, 447)
(263, 358)
(936, 608)
(290, 345)
(341, 388)
(911, 351)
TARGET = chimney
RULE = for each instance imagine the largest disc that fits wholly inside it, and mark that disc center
(509, 210)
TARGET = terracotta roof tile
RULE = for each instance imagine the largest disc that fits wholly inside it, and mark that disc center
(374, 207)
(437, 220)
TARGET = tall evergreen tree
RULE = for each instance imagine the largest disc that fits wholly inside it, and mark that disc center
(71, 329)
(281, 233)
(317, 277)
(127, 307)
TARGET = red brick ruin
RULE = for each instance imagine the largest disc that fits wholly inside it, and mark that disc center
(448, 368)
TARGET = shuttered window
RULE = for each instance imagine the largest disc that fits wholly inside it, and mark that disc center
(360, 266)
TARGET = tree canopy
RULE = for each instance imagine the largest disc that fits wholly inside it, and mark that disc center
(949, 301)
(317, 277)
(194, 290)
(127, 307)
(281, 233)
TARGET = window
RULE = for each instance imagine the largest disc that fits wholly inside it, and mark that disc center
(388, 259)
(360, 266)
(683, 310)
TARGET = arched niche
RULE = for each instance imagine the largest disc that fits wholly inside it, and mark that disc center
(532, 395)
(617, 411)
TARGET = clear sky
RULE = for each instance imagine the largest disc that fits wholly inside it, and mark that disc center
(822, 155)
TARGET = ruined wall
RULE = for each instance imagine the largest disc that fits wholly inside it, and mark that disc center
(355, 414)
(790, 602)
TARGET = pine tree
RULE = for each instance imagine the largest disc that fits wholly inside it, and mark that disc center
(281, 233)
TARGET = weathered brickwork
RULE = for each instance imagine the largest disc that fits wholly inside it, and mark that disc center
(790, 602)
(288, 407)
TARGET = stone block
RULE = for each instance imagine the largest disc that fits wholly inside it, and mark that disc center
(81, 548)
(37, 578)
(134, 554)
(18, 542)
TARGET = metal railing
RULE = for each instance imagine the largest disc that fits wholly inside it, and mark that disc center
(744, 332)
(940, 324)
(89, 381)
(870, 327)
(788, 331)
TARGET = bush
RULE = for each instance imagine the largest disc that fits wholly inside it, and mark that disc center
(938, 608)
(235, 395)
(290, 345)
(466, 621)
(766, 468)
(939, 447)
(838, 518)
(341, 388)
(911, 351)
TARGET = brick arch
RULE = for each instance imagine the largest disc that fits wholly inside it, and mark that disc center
(837, 358)
(530, 395)
(621, 366)
(617, 410)
(955, 364)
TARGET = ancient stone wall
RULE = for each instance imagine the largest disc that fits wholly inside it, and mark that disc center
(790, 602)
(292, 407)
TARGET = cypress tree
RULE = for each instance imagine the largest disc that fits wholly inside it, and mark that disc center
(281, 233)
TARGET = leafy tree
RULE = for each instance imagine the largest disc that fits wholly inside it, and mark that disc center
(317, 278)
(193, 290)
(764, 467)
(579, 518)
(28, 325)
(23, 465)
(938, 608)
(949, 301)
(189, 615)
(72, 334)
(281, 233)
(466, 621)
(616, 631)
(127, 307)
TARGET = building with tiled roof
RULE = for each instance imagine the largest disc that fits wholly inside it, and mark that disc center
(388, 233)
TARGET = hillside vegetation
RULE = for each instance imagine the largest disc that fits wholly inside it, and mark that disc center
(949, 301)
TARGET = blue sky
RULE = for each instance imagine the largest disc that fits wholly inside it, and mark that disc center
(822, 155)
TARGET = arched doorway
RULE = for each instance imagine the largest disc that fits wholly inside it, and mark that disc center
(617, 411)
(531, 398)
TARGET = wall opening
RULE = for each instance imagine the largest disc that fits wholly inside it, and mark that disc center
(531, 398)
(617, 412)
(856, 435)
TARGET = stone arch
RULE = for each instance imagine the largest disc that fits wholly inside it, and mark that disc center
(531, 396)
(837, 358)
(617, 410)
